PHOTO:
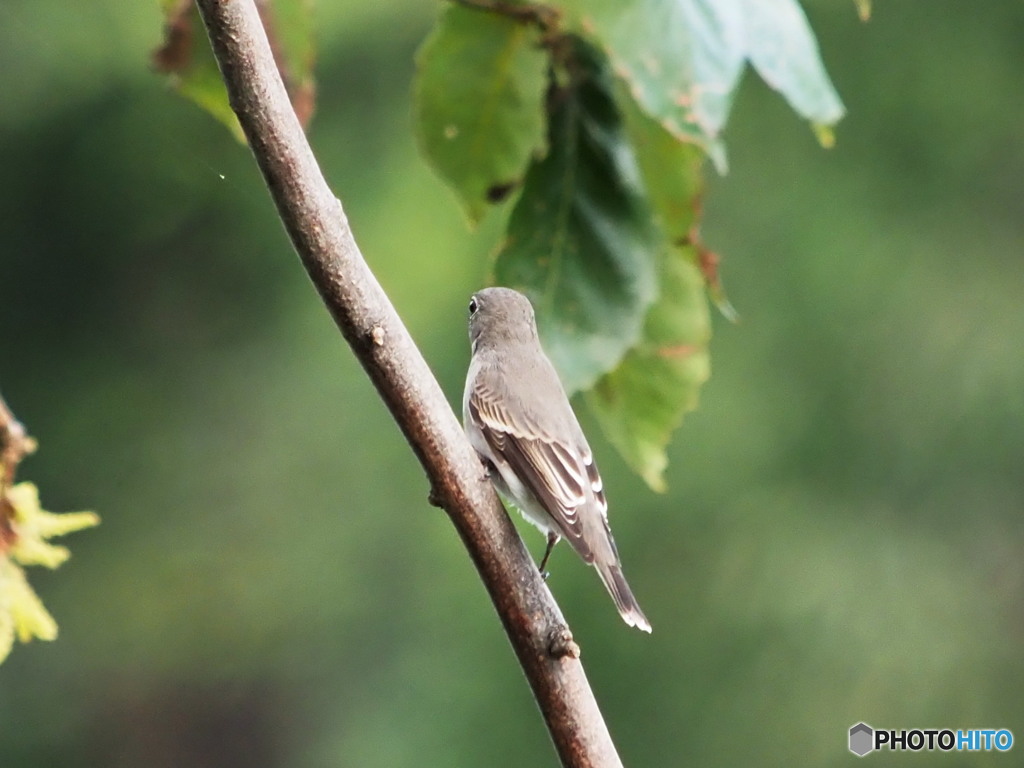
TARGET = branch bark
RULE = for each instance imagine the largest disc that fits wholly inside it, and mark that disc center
(319, 230)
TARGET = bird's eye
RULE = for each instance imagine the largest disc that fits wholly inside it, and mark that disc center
(473, 306)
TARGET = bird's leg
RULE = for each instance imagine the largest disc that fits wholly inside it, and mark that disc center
(552, 540)
(489, 468)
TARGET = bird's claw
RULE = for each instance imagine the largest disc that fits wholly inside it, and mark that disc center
(488, 470)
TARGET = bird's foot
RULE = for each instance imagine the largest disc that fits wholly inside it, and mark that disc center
(552, 540)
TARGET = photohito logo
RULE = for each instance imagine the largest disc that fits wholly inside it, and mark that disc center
(865, 739)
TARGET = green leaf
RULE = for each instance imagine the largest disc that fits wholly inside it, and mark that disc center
(642, 401)
(186, 57)
(672, 174)
(671, 171)
(479, 103)
(782, 48)
(581, 240)
(681, 60)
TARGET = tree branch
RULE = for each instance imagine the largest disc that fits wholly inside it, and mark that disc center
(321, 235)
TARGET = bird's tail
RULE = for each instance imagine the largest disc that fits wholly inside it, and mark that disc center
(615, 583)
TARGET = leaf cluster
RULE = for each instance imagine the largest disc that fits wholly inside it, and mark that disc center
(596, 117)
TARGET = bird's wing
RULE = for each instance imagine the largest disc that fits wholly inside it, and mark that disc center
(558, 473)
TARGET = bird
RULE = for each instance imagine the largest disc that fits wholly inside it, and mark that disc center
(518, 418)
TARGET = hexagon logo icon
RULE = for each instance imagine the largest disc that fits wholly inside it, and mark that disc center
(862, 739)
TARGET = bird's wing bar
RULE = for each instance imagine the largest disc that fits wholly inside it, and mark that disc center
(552, 471)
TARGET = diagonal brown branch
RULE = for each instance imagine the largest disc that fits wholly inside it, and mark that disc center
(320, 233)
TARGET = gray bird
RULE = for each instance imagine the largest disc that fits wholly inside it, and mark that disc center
(518, 418)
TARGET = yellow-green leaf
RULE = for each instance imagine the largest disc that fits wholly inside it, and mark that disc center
(22, 613)
(33, 525)
(643, 400)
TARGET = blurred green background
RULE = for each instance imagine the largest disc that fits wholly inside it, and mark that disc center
(843, 534)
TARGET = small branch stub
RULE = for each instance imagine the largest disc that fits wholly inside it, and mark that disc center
(563, 645)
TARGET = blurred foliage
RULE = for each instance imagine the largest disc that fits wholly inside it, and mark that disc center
(185, 56)
(842, 537)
